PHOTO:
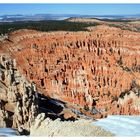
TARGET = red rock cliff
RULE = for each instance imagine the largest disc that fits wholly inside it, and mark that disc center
(96, 69)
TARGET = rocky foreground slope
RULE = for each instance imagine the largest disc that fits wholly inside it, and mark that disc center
(18, 98)
(97, 72)
(47, 127)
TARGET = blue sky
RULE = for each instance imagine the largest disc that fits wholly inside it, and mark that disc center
(83, 9)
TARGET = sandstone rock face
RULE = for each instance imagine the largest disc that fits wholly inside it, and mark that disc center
(18, 98)
(88, 69)
(3, 117)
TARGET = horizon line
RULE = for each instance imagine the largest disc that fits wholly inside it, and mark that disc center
(70, 14)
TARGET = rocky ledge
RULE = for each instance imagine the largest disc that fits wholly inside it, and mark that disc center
(18, 98)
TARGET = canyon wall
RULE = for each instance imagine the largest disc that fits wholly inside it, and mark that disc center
(18, 98)
(97, 70)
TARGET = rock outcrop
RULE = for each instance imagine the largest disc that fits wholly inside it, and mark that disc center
(50, 128)
(18, 98)
(89, 70)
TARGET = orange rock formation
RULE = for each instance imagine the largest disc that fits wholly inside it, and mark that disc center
(88, 69)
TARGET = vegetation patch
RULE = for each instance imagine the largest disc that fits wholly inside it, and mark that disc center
(49, 25)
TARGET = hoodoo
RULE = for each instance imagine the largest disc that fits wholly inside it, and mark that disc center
(18, 98)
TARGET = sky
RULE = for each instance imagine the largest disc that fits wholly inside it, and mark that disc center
(82, 9)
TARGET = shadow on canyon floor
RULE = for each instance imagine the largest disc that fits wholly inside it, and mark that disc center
(52, 108)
